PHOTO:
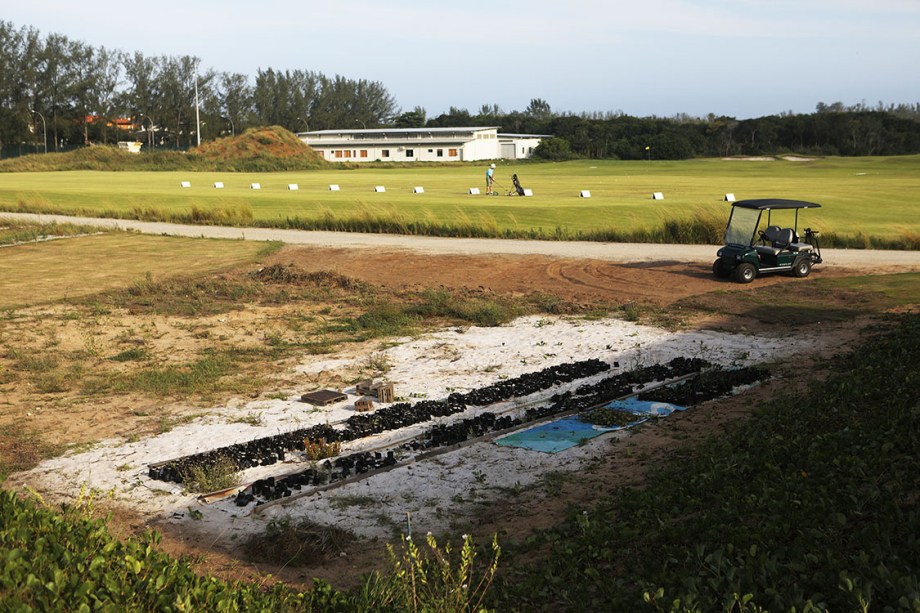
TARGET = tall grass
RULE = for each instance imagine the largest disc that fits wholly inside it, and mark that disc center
(16, 233)
(703, 228)
(232, 215)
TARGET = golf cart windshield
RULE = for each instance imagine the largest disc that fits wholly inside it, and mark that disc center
(741, 226)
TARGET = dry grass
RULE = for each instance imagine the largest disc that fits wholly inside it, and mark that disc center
(48, 272)
(296, 543)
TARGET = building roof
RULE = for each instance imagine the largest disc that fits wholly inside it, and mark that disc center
(507, 135)
(397, 131)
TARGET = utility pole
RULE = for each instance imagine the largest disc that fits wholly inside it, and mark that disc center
(44, 128)
(197, 118)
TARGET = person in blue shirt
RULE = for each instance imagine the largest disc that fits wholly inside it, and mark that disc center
(490, 172)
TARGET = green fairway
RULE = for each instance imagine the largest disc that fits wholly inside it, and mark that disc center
(878, 197)
(45, 272)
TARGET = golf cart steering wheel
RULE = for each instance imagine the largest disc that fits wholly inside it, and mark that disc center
(763, 237)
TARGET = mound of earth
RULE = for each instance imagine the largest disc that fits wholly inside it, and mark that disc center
(256, 150)
(261, 149)
(93, 157)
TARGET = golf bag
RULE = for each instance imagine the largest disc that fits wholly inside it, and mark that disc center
(517, 186)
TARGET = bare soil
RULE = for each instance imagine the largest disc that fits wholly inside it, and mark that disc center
(65, 418)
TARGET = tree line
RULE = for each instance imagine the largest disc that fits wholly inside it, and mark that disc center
(61, 92)
(56, 92)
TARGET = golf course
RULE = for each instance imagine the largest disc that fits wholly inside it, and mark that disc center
(866, 202)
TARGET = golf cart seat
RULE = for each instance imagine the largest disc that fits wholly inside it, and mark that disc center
(797, 245)
(788, 238)
(779, 239)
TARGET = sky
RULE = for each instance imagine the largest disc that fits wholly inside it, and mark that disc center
(740, 58)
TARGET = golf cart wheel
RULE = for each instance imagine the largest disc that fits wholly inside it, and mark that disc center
(802, 268)
(720, 270)
(745, 273)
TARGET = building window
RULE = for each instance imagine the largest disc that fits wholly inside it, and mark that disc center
(348, 153)
(410, 153)
(385, 153)
(452, 153)
(338, 153)
(364, 153)
(440, 153)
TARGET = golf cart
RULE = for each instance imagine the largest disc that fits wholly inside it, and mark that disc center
(749, 253)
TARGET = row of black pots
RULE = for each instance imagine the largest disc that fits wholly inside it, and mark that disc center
(709, 385)
(268, 450)
(260, 451)
(441, 435)
(328, 471)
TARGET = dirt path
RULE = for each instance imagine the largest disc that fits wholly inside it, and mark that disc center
(614, 252)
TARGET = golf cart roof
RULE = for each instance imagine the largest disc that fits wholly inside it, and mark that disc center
(775, 203)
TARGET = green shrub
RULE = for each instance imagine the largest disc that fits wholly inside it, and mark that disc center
(65, 559)
(811, 504)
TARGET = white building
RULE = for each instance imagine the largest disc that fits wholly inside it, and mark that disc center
(519, 146)
(419, 144)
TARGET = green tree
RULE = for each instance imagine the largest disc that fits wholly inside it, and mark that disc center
(235, 100)
(554, 148)
(142, 96)
(539, 109)
(411, 119)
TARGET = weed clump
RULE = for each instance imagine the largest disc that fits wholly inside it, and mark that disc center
(320, 449)
(217, 475)
(296, 543)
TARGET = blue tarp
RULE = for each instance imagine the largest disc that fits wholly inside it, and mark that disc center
(568, 432)
(645, 407)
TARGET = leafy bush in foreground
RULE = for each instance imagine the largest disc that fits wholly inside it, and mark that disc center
(812, 504)
(67, 561)
(54, 561)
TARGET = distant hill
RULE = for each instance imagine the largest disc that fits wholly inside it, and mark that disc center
(261, 149)
(256, 150)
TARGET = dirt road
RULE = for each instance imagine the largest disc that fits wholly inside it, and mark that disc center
(881, 261)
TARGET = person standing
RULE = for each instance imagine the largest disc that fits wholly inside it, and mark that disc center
(490, 178)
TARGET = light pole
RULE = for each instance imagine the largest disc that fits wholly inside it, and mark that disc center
(150, 139)
(305, 124)
(197, 115)
(232, 128)
(363, 125)
(44, 128)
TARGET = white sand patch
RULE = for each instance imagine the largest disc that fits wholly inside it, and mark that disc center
(430, 366)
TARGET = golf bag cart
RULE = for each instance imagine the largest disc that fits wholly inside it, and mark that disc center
(517, 187)
(749, 253)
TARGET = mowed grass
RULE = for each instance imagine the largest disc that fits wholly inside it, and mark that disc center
(877, 197)
(68, 268)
